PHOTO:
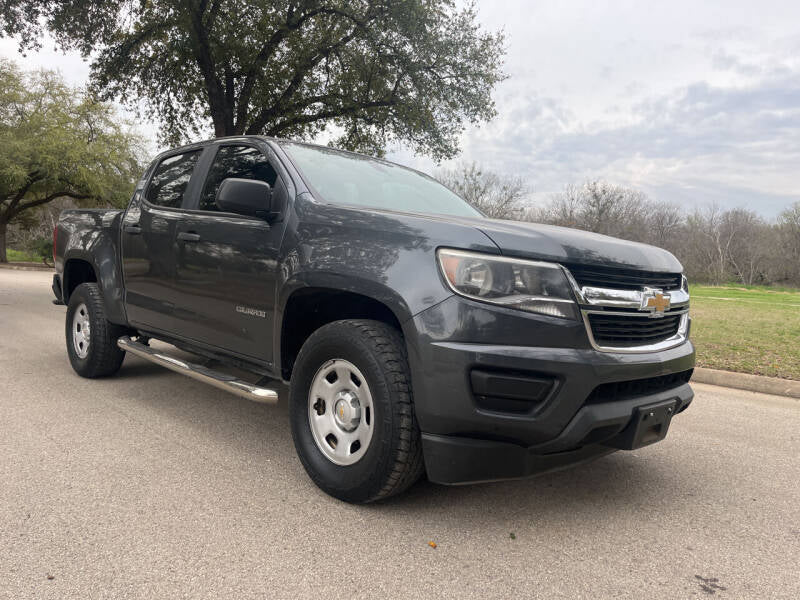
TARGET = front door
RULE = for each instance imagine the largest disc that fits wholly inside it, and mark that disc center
(226, 263)
(148, 243)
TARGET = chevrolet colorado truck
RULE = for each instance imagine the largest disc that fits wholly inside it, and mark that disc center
(416, 335)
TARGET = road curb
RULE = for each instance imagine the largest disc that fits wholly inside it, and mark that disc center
(25, 266)
(745, 381)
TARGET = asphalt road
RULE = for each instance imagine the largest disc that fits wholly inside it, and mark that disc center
(151, 485)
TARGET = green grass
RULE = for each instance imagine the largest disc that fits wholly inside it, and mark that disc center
(22, 256)
(747, 329)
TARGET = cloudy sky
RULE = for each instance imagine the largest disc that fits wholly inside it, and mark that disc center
(692, 102)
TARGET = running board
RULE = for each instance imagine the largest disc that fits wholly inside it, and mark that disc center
(219, 380)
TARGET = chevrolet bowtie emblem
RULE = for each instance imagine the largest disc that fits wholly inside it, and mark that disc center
(655, 302)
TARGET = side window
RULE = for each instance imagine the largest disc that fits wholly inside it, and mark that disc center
(243, 162)
(170, 179)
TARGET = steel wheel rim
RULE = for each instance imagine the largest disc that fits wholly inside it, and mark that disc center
(81, 331)
(341, 413)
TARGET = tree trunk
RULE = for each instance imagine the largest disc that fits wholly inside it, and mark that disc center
(3, 229)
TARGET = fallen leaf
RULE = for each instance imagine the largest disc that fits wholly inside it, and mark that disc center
(512, 535)
(432, 545)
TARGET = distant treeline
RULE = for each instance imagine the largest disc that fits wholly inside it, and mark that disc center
(715, 245)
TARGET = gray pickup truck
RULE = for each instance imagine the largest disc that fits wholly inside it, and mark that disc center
(417, 336)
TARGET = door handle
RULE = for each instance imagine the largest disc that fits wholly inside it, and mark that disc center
(133, 229)
(188, 236)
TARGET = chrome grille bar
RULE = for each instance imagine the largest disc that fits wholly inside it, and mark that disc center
(626, 304)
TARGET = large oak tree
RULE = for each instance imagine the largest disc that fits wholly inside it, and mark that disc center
(369, 71)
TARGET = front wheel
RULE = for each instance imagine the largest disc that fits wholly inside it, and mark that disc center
(91, 339)
(352, 411)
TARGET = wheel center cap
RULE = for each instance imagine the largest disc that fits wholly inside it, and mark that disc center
(347, 411)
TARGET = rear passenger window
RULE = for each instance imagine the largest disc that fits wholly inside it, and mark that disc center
(170, 179)
(243, 162)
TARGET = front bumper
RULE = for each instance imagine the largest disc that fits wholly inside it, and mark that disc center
(585, 400)
(456, 460)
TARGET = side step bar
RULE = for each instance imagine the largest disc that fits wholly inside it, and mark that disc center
(229, 383)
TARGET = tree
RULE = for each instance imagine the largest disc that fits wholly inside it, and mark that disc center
(374, 71)
(497, 196)
(719, 246)
(608, 208)
(787, 246)
(749, 250)
(57, 142)
(664, 225)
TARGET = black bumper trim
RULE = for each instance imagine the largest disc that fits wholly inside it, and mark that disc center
(596, 430)
(451, 460)
(611, 417)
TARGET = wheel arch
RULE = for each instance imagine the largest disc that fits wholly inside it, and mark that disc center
(309, 307)
(76, 272)
(81, 266)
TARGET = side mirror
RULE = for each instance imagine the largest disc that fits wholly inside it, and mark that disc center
(245, 197)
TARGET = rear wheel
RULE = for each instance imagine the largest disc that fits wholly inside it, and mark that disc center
(352, 412)
(91, 339)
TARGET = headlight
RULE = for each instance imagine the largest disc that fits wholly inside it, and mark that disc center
(532, 286)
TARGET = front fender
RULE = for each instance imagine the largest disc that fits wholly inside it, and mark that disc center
(388, 256)
(385, 256)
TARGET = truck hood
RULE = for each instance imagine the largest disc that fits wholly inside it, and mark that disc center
(536, 241)
(561, 244)
(512, 238)
(569, 246)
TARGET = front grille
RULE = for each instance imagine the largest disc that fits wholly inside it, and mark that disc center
(620, 390)
(624, 279)
(616, 329)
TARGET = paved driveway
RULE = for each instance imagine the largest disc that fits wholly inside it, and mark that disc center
(151, 485)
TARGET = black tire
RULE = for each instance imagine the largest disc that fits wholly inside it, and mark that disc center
(103, 357)
(393, 459)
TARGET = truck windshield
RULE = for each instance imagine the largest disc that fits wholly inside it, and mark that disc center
(343, 178)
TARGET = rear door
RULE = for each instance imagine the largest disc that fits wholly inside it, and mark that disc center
(148, 242)
(226, 263)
